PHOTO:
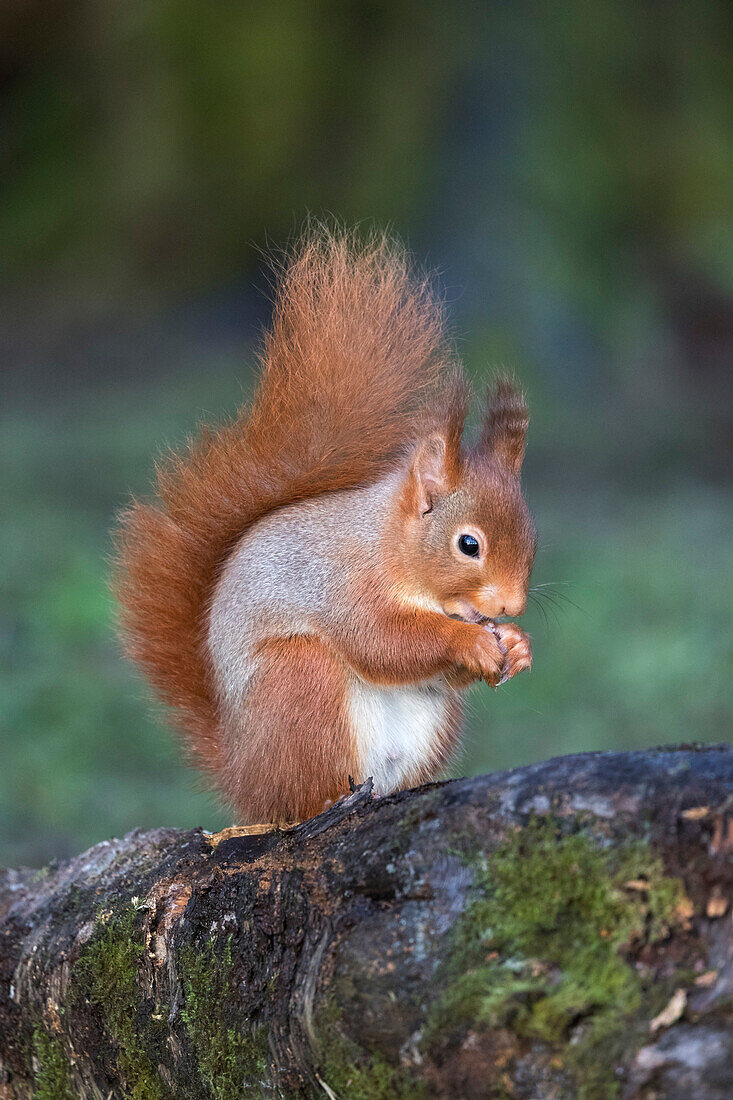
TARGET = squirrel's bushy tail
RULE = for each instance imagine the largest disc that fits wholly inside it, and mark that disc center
(354, 367)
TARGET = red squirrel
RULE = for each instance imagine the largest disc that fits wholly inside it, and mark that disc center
(319, 579)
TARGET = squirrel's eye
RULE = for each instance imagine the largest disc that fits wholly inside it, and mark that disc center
(468, 545)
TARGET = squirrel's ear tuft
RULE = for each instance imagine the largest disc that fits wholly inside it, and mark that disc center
(505, 426)
(433, 471)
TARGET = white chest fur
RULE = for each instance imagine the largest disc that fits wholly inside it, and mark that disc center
(397, 729)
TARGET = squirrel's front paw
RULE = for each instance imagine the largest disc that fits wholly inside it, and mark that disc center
(484, 658)
(517, 649)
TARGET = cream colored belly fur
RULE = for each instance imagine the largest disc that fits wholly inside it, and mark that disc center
(397, 729)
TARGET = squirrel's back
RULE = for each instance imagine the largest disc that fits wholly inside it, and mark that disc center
(354, 369)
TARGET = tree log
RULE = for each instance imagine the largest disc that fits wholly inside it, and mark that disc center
(561, 930)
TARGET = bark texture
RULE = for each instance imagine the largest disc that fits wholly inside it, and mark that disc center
(558, 931)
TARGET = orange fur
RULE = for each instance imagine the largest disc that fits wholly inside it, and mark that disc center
(505, 426)
(355, 368)
(402, 646)
(295, 751)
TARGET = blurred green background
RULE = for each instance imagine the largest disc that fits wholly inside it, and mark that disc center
(569, 170)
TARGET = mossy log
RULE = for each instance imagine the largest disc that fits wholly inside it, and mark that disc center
(558, 931)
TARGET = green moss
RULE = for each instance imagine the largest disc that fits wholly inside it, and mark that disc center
(51, 1079)
(539, 949)
(233, 1057)
(106, 975)
(353, 1073)
(233, 1060)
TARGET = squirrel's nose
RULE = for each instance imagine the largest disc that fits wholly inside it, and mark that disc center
(514, 607)
(511, 606)
(495, 602)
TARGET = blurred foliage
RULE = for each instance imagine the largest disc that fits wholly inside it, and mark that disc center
(157, 141)
(570, 166)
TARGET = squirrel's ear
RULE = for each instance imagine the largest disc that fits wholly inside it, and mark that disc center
(433, 471)
(505, 427)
